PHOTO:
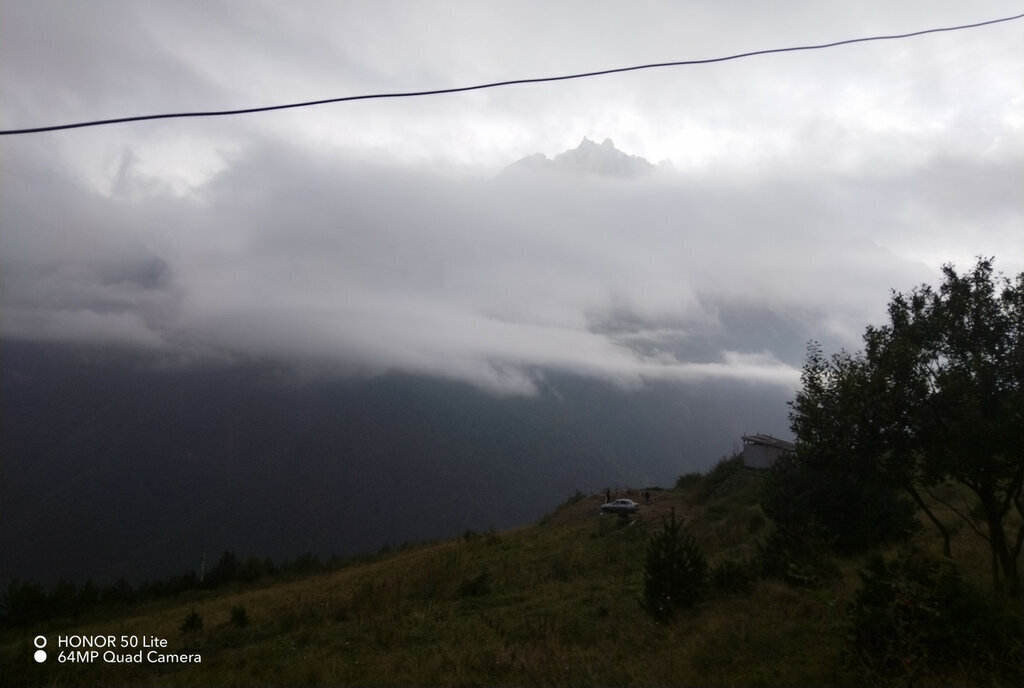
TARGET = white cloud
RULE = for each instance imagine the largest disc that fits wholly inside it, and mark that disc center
(82, 326)
(802, 187)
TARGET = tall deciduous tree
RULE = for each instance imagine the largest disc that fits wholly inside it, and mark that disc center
(839, 486)
(936, 397)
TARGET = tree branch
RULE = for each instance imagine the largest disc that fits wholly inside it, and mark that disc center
(909, 486)
(964, 517)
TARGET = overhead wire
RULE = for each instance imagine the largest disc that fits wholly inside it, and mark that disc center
(496, 84)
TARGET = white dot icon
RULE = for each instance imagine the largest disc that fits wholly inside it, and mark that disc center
(40, 656)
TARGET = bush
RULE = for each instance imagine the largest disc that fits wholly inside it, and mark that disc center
(733, 576)
(192, 624)
(916, 616)
(239, 617)
(688, 480)
(24, 604)
(576, 497)
(725, 469)
(789, 554)
(478, 586)
(675, 572)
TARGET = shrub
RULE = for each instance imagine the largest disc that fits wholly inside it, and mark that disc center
(227, 570)
(733, 576)
(192, 624)
(718, 476)
(576, 497)
(915, 616)
(788, 553)
(688, 480)
(23, 605)
(675, 571)
(239, 617)
(477, 586)
(755, 521)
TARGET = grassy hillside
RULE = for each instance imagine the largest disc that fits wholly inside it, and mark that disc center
(555, 603)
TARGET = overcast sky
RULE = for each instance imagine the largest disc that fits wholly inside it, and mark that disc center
(786, 193)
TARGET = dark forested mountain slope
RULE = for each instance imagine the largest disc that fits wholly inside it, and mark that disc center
(114, 466)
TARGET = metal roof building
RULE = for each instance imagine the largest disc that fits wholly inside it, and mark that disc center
(761, 451)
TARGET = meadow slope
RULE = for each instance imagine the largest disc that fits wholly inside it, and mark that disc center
(558, 602)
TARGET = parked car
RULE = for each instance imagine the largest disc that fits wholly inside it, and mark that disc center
(620, 506)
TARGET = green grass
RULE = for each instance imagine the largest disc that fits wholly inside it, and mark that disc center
(556, 603)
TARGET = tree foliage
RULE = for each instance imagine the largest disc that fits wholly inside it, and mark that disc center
(812, 503)
(914, 615)
(936, 397)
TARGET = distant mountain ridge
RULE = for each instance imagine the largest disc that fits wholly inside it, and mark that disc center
(589, 158)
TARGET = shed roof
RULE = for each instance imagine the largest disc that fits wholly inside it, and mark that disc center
(769, 441)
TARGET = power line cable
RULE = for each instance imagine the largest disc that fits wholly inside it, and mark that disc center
(496, 84)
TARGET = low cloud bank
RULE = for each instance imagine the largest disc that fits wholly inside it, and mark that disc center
(302, 257)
